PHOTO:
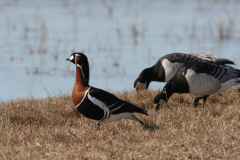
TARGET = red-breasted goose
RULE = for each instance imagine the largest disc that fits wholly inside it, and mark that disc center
(167, 66)
(201, 78)
(95, 103)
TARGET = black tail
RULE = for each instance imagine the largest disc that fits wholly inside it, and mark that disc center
(143, 111)
(224, 61)
(132, 108)
(238, 81)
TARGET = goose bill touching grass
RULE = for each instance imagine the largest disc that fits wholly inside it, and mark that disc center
(202, 78)
(95, 103)
(167, 66)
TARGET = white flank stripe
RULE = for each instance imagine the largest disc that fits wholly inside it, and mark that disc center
(83, 98)
(112, 104)
(100, 104)
(117, 117)
(117, 107)
(170, 69)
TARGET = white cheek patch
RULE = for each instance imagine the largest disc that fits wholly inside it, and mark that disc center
(71, 57)
(140, 86)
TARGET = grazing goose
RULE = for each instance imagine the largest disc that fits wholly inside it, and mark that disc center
(95, 103)
(167, 66)
(202, 78)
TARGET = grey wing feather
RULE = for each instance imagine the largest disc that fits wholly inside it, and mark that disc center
(223, 73)
(208, 57)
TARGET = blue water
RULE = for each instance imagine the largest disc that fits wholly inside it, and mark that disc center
(120, 38)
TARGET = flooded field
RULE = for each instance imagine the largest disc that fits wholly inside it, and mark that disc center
(120, 38)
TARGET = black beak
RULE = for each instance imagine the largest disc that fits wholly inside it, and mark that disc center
(67, 59)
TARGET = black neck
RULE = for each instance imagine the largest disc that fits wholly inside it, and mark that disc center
(158, 73)
(168, 92)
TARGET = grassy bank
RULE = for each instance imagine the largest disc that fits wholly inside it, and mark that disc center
(52, 129)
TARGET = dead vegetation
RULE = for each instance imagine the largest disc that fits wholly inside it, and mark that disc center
(52, 129)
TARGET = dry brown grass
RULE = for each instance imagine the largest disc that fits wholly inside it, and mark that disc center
(52, 129)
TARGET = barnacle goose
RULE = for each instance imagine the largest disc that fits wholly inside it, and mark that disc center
(167, 66)
(201, 78)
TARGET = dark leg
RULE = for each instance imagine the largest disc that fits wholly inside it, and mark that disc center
(195, 101)
(180, 98)
(97, 125)
(205, 99)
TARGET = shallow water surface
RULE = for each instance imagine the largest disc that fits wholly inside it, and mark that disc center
(120, 38)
